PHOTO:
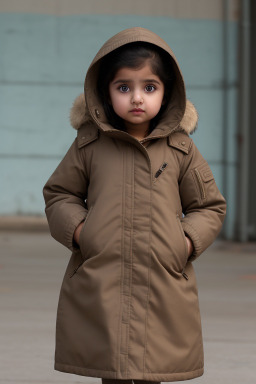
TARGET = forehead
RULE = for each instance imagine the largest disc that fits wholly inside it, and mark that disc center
(132, 74)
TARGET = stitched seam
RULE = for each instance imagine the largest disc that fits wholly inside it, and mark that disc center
(149, 276)
(187, 157)
(89, 368)
(196, 183)
(148, 373)
(122, 273)
(181, 167)
(131, 269)
(201, 337)
(190, 146)
(82, 156)
(168, 374)
(201, 183)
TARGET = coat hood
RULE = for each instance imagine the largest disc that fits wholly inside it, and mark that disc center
(180, 114)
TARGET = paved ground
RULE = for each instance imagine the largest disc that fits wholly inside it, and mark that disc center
(31, 270)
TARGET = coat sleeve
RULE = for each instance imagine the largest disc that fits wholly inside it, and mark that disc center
(65, 193)
(204, 207)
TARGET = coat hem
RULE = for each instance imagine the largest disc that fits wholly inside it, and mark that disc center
(169, 377)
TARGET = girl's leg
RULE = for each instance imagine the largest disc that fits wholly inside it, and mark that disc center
(116, 381)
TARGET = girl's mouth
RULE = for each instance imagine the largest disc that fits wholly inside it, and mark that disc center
(137, 110)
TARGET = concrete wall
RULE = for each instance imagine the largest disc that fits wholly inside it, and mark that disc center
(45, 50)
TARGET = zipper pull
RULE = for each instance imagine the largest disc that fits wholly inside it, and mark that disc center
(161, 169)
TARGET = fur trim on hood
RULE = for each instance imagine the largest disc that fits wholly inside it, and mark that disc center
(190, 118)
(79, 115)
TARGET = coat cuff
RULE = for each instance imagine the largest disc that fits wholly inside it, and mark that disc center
(194, 237)
(70, 229)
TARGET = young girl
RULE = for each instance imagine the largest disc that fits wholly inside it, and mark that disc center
(136, 203)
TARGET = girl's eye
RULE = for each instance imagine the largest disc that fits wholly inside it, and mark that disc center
(124, 88)
(150, 88)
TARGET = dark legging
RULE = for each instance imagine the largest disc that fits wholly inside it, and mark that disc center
(115, 381)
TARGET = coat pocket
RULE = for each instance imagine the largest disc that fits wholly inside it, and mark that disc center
(185, 253)
(82, 233)
(202, 176)
(76, 269)
(76, 261)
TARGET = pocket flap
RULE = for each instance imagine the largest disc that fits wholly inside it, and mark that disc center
(205, 172)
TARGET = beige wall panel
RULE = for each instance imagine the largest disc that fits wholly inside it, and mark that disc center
(191, 9)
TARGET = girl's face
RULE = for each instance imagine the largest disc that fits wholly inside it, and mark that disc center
(136, 96)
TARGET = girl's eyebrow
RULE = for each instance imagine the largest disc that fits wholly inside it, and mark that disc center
(122, 81)
(152, 81)
(142, 81)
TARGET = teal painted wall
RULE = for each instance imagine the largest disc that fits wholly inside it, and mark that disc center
(43, 61)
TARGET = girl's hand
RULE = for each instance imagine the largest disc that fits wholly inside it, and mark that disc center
(77, 232)
(190, 246)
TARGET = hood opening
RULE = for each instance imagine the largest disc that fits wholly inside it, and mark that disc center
(176, 105)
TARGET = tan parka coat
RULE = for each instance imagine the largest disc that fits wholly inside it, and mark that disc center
(128, 306)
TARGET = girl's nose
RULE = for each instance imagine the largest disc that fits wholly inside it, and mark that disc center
(137, 98)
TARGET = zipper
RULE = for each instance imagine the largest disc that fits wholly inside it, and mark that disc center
(184, 275)
(161, 169)
(201, 184)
